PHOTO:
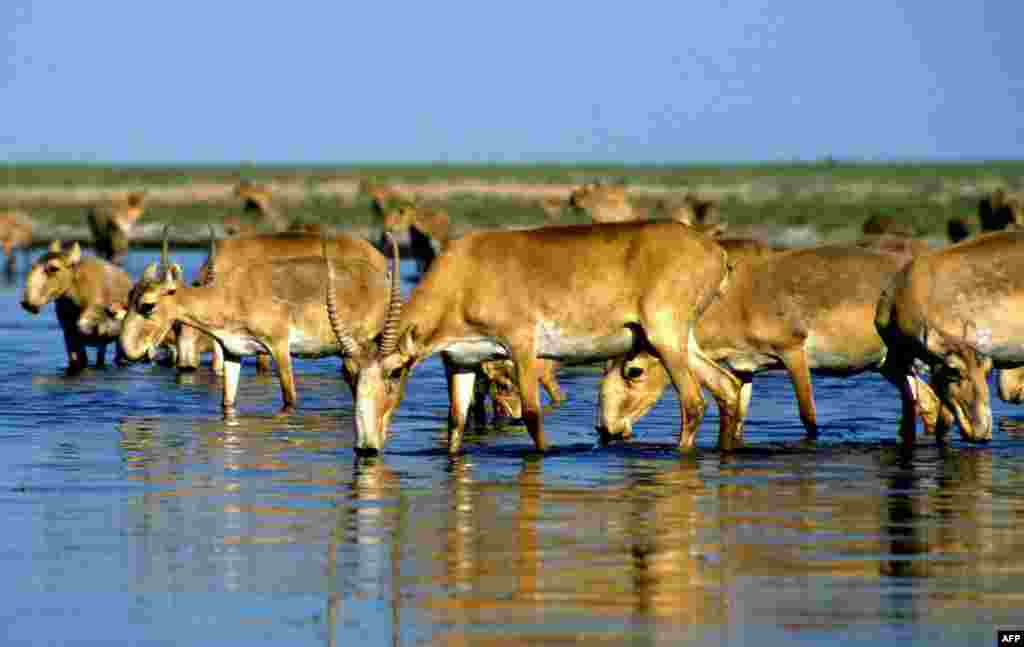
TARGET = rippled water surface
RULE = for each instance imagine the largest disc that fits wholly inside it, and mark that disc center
(133, 515)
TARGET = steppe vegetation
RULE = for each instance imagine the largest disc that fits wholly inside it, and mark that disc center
(832, 198)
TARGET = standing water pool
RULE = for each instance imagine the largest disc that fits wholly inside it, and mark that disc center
(133, 515)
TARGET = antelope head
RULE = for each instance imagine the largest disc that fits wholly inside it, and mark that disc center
(152, 309)
(630, 388)
(960, 380)
(377, 371)
(51, 276)
(503, 390)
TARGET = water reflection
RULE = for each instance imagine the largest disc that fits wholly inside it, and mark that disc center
(510, 550)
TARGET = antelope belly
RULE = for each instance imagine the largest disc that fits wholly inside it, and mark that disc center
(553, 343)
(302, 344)
(239, 344)
(470, 352)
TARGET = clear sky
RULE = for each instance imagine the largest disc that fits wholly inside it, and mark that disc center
(680, 81)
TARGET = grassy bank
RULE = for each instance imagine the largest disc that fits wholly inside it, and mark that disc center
(829, 196)
(664, 175)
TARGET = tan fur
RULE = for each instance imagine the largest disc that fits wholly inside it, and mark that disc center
(563, 293)
(276, 307)
(1011, 385)
(250, 250)
(605, 202)
(744, 250)
(956, 309)
(76, 285)
(236, 226)
(804, 310)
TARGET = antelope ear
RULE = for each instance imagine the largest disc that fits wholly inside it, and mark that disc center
(75, 255)
(55, 246)
(151, 273)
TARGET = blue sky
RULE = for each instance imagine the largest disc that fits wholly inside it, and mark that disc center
(191, 81)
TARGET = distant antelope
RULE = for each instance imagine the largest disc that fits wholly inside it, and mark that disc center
(429, 230)
(15, 233)
(692, 210)
(111, 224)
(258, 199)
(605, 202)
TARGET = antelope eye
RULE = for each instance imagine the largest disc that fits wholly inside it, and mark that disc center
(395, 374)
(146, 309)
(51, 270)
(633, 372)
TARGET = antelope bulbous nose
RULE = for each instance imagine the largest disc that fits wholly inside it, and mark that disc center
(29, 307)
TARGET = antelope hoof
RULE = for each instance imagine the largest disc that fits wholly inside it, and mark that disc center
(688, 445)
(810, 441)
(730, 444)
(606, 437)
(286, 410)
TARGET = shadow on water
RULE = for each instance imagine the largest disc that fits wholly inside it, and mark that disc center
(133, 513)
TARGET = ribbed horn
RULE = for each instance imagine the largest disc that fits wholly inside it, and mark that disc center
(343, 335)
(389, 338)
(208, 280)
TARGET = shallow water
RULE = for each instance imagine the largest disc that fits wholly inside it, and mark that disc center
(133, 515)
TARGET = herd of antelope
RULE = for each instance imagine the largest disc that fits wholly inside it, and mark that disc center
(656, 301)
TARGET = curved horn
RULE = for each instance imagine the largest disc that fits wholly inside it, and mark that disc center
(208, 281)
(389, 337)
(344, 337)
(163, 249)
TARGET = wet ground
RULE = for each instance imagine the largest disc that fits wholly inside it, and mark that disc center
(133, 515)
